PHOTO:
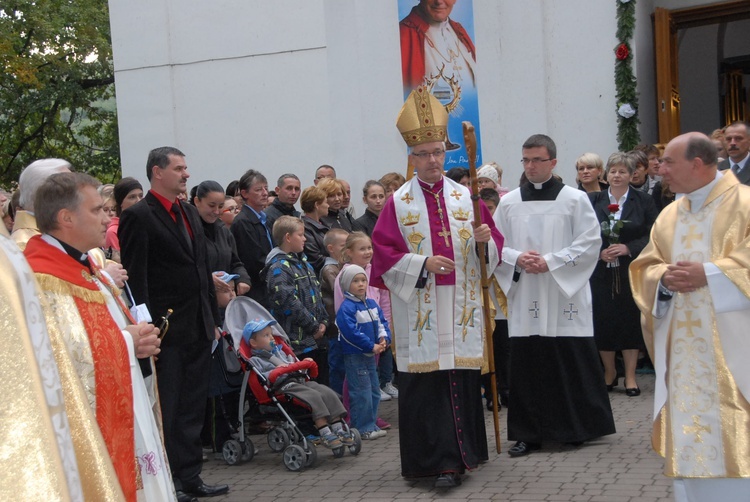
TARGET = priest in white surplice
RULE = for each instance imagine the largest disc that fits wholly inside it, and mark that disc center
(692, 285)
(552, 240)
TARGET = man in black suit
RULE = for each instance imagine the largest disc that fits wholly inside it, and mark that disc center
(737, 137)
(164, 247)
(251, 232)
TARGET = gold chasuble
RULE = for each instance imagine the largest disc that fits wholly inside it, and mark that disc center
(698, 342)
(83, 332)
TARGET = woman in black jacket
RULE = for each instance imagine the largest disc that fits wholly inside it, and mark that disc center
(626, 216)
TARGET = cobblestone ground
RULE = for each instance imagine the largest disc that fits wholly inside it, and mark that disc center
(618, 468)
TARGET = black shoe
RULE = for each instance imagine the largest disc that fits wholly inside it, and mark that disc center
(522, 448)
(184, 497)
(574, 444)
(611, 386)
(633, 392)
(447, 480)
(204, 490)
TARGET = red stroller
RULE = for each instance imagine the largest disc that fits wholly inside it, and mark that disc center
(288, 414)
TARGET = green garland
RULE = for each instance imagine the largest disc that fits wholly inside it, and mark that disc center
(626, 94)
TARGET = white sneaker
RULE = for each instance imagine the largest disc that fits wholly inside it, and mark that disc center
(380, 433)
(391, 390)
(369, 435)
(384, 396)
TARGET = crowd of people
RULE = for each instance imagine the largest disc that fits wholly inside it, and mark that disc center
(134, 284)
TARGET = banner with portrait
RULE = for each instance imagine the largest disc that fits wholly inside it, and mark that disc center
(437, 50)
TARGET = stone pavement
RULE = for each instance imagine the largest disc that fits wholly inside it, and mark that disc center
(617, 468)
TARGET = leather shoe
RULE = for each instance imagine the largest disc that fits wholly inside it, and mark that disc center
(184, 497)
(448, 480)
(633, 392)
(522, 448)
(204, 490)
(611, 386)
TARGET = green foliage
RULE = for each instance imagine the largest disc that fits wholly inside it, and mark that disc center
(57, 86)
(625, 82)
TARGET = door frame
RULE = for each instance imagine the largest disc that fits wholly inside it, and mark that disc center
(666, 23)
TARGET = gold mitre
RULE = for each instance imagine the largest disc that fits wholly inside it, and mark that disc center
(422, 119)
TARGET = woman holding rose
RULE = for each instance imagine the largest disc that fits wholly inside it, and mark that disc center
(626, 216)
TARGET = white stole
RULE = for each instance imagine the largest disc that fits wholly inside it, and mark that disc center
(424, 342)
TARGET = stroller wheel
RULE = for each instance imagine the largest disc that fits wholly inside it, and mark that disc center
(294, 457)
(278, 439)
(232, 452)
(248, 451)
(311, 454)
(339, 452)
(357, 446)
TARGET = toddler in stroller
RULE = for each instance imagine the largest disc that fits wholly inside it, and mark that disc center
(276, 363)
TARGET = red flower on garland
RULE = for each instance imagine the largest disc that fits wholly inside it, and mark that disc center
(622, 52)
(613, 208)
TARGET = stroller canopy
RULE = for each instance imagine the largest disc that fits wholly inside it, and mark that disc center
(243, 309)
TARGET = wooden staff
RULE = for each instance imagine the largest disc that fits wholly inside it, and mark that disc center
(471, 151)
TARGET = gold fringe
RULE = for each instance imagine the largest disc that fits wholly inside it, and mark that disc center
(423, 367)
(52, 284)
(469, 362)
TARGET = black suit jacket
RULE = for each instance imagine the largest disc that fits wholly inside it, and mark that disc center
(743, 175)
(252, 248)
(164, 272)
(640, 212)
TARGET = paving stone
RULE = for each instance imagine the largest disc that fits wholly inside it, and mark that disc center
(617, 468)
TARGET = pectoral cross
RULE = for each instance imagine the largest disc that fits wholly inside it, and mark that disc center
(689, 323)
(445, 234)
(696, 429)
(690, 237)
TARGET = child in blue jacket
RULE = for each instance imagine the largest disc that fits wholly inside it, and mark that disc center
(363, 332)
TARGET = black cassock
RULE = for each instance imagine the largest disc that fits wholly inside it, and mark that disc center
(441, 422)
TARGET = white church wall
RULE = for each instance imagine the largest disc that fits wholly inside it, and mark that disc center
(286, 86)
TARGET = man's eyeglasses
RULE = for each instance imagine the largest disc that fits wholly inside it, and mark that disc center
(438, 154)
(534, 162)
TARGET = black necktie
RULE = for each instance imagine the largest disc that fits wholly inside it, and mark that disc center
(181, 224)
(736, 168)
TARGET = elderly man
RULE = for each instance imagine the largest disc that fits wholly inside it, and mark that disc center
(287, 193)
(324, 171)
(430, 40)
(164, 248)
(83, 308)
(33, 175)
(425, 253)
(692, 285)
(557, 390)
(737, 137)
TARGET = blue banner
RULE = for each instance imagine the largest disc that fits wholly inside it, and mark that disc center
(437, 50)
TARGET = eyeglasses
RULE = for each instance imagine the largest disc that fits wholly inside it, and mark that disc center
(438, 154)
(232, 210)
(534, 162)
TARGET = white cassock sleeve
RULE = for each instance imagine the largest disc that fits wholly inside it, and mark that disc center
(401, 279)
(725, 295)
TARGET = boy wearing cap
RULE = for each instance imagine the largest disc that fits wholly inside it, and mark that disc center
(288, 375)
(294, 292)
(363, 332)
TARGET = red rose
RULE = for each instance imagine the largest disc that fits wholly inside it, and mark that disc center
(622, 52)
(613, 208)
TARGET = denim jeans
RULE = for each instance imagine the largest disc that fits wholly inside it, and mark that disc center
(336, 371)
(364, 390)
